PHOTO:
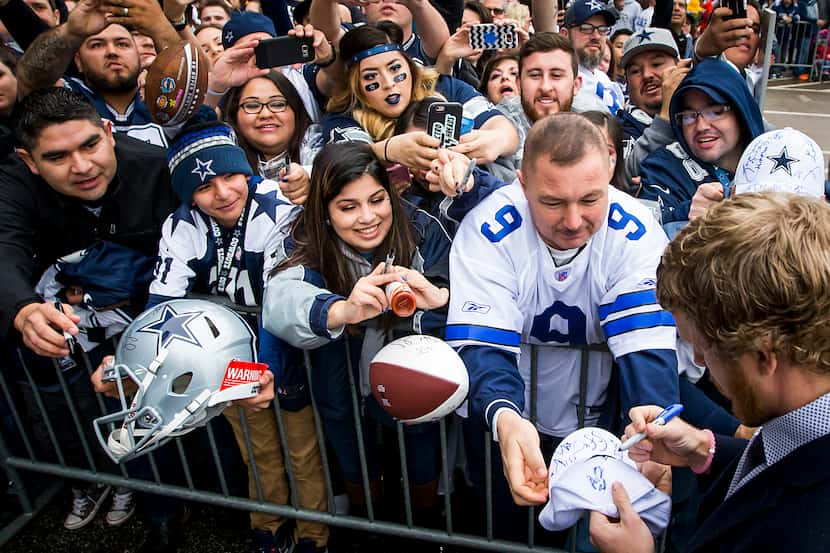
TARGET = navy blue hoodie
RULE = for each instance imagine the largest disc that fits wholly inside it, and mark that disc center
(672, 174)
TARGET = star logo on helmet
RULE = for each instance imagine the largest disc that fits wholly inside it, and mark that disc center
(783, 161)
(172, 326)
(644, 35)
(594, 5)
(203, 169)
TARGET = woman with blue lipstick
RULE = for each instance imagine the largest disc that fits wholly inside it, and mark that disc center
(381, 82)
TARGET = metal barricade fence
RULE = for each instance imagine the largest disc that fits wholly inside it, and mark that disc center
(27, 460)
(796, 47)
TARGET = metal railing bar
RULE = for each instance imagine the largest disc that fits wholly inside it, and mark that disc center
(407, 499)
(185, 465)
(488, 483)
(445, 470)
(245, 504)
(223, 484)
(321, 435)
(73, 412)
(47, 422)
(243, 426)
(99, 398)
(286, 454)
(151, 458)
(14, 526)
(361, 445)
(16, 416)
(534, 383)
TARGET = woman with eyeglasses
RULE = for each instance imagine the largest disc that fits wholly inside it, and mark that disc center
(380, 83)
(275, 131)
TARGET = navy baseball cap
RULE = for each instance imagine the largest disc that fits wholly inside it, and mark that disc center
(580, 10)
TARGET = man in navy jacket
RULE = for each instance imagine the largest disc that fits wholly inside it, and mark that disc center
(714, 117)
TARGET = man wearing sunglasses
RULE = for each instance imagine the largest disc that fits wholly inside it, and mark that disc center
(496, 8)
(587, 24)
(714, 117)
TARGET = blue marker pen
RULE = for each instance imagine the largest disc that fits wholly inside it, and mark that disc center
(665, 416)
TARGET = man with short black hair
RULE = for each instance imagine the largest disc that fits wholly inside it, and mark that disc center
(108, 59)
(214, 12)
(73, 184)
(650, 61)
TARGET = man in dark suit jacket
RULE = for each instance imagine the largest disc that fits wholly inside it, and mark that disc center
(764, 259)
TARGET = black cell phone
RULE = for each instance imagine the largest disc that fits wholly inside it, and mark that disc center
(738, 8)
(444, 122)
(283, 50)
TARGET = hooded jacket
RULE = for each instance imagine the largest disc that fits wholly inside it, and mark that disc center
(672, 174)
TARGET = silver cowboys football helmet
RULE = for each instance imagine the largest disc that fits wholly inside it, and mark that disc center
(177, 353)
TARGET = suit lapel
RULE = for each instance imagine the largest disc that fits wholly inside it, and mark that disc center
(802, 468)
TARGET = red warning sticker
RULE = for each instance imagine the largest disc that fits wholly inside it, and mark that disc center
(242, 372)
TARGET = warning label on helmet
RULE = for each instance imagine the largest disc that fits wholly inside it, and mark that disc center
(242, 372)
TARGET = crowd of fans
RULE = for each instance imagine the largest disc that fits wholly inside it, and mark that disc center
(291, 186)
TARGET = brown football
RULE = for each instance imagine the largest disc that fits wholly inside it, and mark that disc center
(176, 83)
(418, 378)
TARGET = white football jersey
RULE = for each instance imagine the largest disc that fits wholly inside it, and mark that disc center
(507, 293)
(188, 253)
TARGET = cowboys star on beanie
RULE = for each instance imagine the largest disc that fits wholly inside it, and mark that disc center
(245, 23)
(205, 148)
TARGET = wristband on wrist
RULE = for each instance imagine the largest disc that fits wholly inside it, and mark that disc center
(704, 468)
(215, 94)
(386, 149)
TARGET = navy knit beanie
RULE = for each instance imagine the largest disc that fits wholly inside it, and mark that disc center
(245, 23)
(204, 149)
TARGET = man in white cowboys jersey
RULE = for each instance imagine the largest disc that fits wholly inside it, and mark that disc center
(558, 258)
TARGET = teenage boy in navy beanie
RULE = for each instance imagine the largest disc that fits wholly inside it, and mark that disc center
(223, 240)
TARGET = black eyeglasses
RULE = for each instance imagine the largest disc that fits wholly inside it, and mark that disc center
(712, 113)
(253, 107)
(496, 11)
(588, 29)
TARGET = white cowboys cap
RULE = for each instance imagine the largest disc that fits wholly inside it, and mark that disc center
(581, 472)
(784, 160)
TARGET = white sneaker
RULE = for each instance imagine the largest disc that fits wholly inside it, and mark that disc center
(85, 506)
(122, 508)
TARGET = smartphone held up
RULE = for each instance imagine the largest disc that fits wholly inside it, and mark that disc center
(284, 50)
